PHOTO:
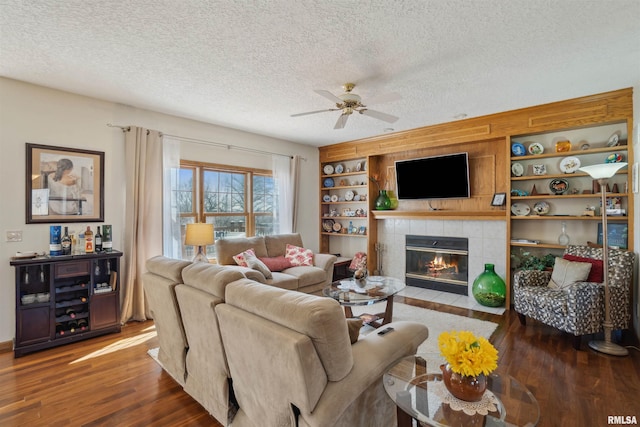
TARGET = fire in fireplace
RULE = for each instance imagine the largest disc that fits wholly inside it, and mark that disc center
(436, 262)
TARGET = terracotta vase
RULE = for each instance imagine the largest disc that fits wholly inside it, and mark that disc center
(463, 387)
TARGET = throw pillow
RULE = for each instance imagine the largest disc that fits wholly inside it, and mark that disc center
(359, 261)
(276, 263)
(354, 326)
(240, 258)
(597, 269)
(254, 263)
(566, 273)
(298, 256)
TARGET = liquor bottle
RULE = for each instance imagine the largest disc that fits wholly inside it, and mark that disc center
(97, 239)
(66, 242)
(70, 312)
(80, 244)
(107, 243)
(59, 329)
(55, 240)
(88, 241)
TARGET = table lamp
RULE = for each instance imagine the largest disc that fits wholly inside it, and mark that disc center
(200, 235)
(602, 173)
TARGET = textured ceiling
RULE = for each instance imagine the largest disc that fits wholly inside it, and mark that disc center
(251, 64)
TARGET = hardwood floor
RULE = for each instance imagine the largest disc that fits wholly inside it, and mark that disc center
(111, 381)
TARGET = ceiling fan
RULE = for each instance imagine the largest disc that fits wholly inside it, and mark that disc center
(350, 102)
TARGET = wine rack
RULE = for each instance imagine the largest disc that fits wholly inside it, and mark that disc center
(64, 299)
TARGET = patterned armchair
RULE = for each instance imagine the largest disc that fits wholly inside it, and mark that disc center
(579, 309)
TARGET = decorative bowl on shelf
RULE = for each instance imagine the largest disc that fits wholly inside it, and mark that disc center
(563, 146)
(541, 208)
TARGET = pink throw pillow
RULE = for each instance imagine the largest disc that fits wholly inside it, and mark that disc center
(241, 260)
(298, 256)
(596, 274)
(276, 263)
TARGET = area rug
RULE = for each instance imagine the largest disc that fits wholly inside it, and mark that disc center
(436, 321)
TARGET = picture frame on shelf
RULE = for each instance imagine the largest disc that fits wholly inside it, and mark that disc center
(499, 199)
(617, 235)
(64, 185)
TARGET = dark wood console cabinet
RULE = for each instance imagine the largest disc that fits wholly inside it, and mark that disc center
(64, 299)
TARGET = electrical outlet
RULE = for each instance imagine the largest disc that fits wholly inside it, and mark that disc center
(14, 236)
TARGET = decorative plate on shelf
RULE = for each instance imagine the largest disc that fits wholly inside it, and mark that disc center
(559, 186)
(358, 166)
(518, 149)
(326, 198)
(541, 208)
(328, 182)
(334, 198)
(328, 169)
(348, 196)
(339, 168)
(536, 148)
(517, 169)
(569, 164)
(613, 141)
(337, 227)
(563, 146)
(520, 209)
(327, 225)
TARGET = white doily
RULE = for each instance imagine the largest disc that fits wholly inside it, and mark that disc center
(483, 406)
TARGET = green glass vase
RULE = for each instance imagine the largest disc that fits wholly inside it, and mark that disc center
(383, 202)
(489, 289)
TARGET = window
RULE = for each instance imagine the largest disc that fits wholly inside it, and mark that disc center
(239, 202)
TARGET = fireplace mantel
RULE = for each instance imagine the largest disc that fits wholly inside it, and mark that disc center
(495, 215)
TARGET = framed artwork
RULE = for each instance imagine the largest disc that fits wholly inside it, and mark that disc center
(64, 185)
(617, 235)
(498, 199)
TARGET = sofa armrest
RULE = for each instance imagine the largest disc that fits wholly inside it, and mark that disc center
(373, 355)
(325, 262)
(524, 278)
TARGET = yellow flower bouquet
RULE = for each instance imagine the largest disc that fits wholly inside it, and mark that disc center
(467, 354)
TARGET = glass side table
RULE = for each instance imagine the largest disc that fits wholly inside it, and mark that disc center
(415, 385)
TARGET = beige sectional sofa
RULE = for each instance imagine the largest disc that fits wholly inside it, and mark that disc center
(286, 356)
(307, 279)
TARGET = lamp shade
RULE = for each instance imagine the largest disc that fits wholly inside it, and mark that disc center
(604, 170)
(200, 234)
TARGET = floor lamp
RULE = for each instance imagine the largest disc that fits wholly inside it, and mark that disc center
(602, 173)
(200, 235)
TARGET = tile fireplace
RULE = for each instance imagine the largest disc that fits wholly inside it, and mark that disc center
(437, 262)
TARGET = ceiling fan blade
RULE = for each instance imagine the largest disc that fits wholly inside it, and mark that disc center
(313, 112)
(342, 120)
(380, 116)
(331, 97)
(389, 97)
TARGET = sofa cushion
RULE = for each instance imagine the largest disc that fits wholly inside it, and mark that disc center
(254, 263)
(596, 274)
(283, 280)
(241, 258)
(298, 255)
(276, 244)
(227, 248)
(354, 326)
(566, 273)
(276, 263)
(306, 275)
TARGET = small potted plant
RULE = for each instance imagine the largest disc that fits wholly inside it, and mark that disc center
(527, 260)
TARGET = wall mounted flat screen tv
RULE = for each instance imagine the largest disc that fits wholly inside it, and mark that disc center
(436, 177)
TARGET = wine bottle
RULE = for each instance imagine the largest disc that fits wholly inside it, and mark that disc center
(55, 240)
(88, 241)
(66, 242)
(82, 324)
(98, 241)
(59, 329)
(107, 244)
(70, 312)
(73, 326)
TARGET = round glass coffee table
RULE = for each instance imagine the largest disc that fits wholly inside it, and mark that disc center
(415, 385)
(373, 289)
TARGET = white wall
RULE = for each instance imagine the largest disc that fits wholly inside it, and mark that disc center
(35, 114)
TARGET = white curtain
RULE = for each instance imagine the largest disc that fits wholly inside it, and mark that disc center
(285, 174)
(171, 234)
(143, 216)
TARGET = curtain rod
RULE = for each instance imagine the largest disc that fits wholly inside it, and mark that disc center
(216, 144)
